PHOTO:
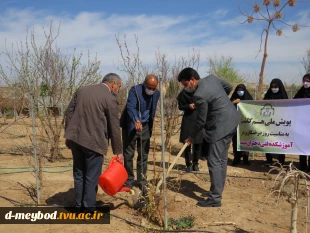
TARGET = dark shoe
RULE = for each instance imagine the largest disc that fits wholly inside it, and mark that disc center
(189, 169)
(195, 168)
(209, 203)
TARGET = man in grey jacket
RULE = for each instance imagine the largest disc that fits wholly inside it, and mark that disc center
(90, 120)
(219, 119)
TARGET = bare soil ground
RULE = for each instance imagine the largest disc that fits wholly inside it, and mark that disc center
(246, 206)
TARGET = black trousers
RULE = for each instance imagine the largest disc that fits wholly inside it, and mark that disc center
(87, 167)
(269, 156)
(192, 158)
(303, 162)
(129, 146)
(204, 149)
(239, 154)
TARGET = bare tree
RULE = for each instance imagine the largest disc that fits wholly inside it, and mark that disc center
(12, 102)
(48, 76)
(270, 14)
(131, 63)
(292, 184)
(169, 73)
(306, 61)
(132, 66)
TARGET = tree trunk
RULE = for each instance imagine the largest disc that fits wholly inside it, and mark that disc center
(167, 140)
(15, 114)
(294, 217)
(54, 148)
(168, 132)
(40, 157)
(261, 74)
(4, 117)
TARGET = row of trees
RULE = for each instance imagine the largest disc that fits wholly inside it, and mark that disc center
(43, 78)
(48, 76)
(44, 75)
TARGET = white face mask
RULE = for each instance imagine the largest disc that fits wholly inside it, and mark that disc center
(274, 90)
(240, 93)
(149, 92)
(306, 84)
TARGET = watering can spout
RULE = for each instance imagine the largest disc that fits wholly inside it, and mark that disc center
(127, 189)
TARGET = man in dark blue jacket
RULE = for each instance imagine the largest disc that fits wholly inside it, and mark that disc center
(137, 123)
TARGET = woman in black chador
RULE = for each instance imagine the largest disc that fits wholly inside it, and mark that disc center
(186, 104)
(276, 91)
(304, 92)
(240, 93)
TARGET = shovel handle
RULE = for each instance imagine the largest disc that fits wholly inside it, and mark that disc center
(171, 166)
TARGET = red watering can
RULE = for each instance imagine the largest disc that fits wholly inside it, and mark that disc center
(114, 177)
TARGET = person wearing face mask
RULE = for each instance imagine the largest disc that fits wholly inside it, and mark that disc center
(90, 120)
(240, 93)
(304, 92)
(186, 104)
(218, 118)
(275, 91)
(137, 123)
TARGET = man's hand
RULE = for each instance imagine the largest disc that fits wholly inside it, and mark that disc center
(120, 158)
(138, 126)
(236, 101)
(192, 106)
(189, 141)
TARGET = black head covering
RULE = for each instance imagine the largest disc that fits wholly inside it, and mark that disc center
(187, 95)
(246, 95)
(281, 94)
(303, 92)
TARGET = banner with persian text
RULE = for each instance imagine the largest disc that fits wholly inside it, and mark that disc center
(275, 126)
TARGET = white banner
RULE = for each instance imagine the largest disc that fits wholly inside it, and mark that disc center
(275, 126)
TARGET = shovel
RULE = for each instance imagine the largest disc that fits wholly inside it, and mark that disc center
(138, 201)
(170, 167)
